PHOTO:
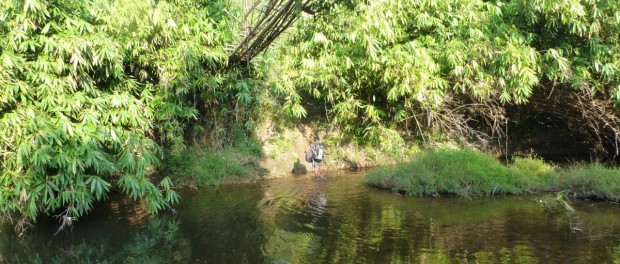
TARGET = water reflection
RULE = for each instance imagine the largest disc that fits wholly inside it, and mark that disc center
(301, 220)
(159, 241)
(290, 218)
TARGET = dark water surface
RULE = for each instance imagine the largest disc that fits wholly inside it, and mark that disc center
(301, 220)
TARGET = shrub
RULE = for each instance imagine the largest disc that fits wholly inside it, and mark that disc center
(250, 146)
(205, 167)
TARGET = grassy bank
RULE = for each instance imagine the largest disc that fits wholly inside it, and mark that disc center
(469, 173)
(592, 181)
(196, 167)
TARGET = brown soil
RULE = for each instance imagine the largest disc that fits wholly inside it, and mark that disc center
(284, 150)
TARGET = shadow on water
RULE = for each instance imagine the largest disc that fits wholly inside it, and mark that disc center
(120, 232)
(303, 220)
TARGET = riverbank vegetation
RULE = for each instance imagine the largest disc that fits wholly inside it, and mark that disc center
(592, 181)
(469, 173)
(118, 96)
(208, 167)
(459, 69)
(93, 93)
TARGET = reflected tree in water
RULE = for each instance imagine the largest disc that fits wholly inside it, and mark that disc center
(160, 241)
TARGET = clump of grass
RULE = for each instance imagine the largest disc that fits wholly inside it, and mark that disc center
(593, 181)
(205, 167)
(464, 173)
(469, 173)
(532, 174)
(460, 172)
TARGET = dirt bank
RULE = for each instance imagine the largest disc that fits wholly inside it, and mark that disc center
(284, 148)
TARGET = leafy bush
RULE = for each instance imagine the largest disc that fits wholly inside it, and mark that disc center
(281, 143)
(91, 90)
(250, 146)
(406, 64)
(205, 167)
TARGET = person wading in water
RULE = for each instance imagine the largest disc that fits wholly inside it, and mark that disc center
(316, 154)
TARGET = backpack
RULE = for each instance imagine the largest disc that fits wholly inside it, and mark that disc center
(309, 156)
(318, 151)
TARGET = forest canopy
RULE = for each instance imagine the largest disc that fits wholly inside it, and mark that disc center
(413, 65)
(93, 93)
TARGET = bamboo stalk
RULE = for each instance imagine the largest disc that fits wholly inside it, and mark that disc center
(276, 18)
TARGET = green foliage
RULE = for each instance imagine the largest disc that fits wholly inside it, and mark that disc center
(464, 173)
(282, 142)
(160, 241)
(249, 146)
(469, 173)
(91, 90)
(557, 203)
(592, 181)
(461, 172)
(400, 63)
(205, 167)
(534, 174)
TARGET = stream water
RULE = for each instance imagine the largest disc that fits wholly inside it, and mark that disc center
(341, 220)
